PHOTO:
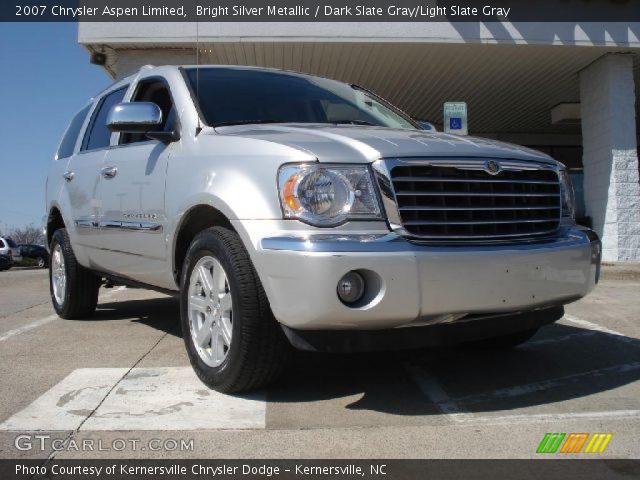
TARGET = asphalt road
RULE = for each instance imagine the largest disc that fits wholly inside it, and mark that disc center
(120, 385)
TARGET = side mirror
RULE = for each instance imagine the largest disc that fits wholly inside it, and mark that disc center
(139, 117)
(426, 125)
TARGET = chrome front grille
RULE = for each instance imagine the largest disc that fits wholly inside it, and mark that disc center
(450, 200)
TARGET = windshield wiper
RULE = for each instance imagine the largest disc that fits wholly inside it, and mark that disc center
(353, 122)
(246, 122)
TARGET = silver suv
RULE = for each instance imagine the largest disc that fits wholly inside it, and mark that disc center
(292, 210)
(9, 248)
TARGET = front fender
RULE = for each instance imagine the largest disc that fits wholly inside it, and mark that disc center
(235, 176)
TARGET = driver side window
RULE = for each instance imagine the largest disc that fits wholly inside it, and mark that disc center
(154, 91)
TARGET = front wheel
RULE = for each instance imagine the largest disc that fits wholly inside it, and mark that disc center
(41, 262)
(73, 288)
(233, 341)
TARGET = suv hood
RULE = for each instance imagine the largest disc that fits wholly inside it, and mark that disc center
(351, 143)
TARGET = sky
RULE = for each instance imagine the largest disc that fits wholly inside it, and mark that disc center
(46, 78)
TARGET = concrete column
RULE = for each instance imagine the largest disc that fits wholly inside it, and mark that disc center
(610, 158)
(130, 61)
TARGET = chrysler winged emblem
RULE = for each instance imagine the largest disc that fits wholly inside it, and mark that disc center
(492, 167)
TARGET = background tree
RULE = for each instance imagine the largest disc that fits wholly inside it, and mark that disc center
(29, 234)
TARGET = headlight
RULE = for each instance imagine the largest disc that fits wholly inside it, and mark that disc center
(566, 190)
(327, 195)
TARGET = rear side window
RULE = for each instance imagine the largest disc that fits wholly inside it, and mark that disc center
(71, 135)
(98, 135)
(2, 245)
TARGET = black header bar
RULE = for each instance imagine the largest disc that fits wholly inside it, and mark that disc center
(130, 469)
(320, 10)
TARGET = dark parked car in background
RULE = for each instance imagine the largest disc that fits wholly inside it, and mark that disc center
(6, 262)
(36, 252)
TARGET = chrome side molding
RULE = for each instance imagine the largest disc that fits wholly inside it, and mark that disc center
(132, 226)
(86, 223)
(120, 225)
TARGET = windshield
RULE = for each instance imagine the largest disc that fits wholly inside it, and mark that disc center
(229, 96)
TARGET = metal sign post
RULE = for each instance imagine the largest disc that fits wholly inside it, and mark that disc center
(455, 118)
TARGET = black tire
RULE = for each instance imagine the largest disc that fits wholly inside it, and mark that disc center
(505, 342)
(259, 350)
(41, 262)
(82, 285)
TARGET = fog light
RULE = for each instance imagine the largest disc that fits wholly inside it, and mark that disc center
(351, 287)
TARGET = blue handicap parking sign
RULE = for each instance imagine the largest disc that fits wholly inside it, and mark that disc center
(455, 118)
(455, 123)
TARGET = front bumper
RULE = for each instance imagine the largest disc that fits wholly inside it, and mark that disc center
(469, 329)
(412, 284)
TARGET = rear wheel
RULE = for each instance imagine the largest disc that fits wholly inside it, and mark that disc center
(233, 341)
(73, 288)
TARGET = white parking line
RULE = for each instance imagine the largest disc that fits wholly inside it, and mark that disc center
(533, 387)
(552, 417)
(436, 394)
(556, 339)
(25, 328)
(455, 412)
(592, 329)
(458, 414)
(43, 321)
(145, 399)
(598, 328)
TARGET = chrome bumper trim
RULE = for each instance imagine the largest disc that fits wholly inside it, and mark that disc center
(393, 242)
(336, 243)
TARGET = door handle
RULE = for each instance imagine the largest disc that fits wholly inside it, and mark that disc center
(109, 172)
(68, 175)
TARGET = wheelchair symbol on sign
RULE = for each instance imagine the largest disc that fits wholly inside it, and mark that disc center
(455, 123)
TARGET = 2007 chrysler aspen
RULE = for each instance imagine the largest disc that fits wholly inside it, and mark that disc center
(292, 210)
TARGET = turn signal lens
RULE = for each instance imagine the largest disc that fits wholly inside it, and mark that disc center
(288, 195)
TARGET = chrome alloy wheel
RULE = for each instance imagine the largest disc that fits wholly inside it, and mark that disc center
(58, 274)
(210, 311)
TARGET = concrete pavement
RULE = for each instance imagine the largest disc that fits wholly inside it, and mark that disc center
(122, 381)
